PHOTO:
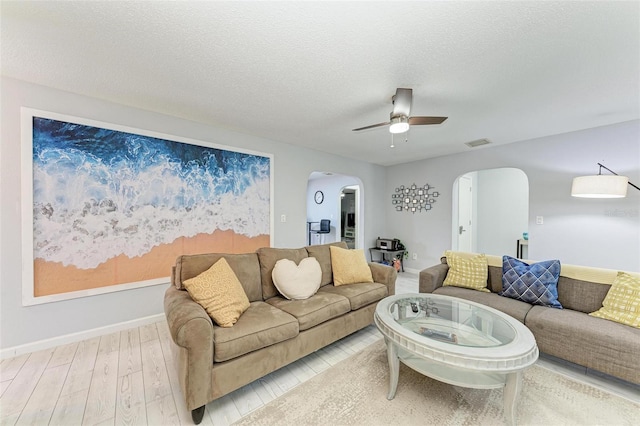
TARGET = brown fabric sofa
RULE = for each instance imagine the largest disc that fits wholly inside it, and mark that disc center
(569, 333)
(213, 361)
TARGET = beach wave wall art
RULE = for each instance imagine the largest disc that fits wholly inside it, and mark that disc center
(113, 207)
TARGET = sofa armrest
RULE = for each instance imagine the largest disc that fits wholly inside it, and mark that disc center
(384, 274)
(191, 328)
(432, 278)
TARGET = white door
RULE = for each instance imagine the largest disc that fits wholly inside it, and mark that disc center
(465, 211)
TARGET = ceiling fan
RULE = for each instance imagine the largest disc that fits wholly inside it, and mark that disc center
(400, 121)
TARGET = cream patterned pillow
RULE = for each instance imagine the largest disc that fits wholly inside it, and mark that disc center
(622, 302)
(349, 266)
(219, 292)
(297, 282)
(471, 272)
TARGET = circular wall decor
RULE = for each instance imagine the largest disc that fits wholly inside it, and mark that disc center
(318, 197)
(414, 198)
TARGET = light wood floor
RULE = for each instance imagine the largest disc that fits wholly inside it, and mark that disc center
(128, 378)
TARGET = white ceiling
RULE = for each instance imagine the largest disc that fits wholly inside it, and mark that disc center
(306, 73)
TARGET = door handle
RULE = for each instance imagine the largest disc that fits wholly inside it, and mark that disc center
(461, 230)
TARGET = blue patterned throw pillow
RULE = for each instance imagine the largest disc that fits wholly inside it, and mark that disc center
(536, 284)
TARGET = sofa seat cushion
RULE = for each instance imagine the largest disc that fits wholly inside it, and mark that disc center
(359, 295)
(606, 346)
(315, 310)
(512, 307)
(260, 326)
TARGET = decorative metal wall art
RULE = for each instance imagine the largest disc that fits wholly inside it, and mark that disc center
(414, 198)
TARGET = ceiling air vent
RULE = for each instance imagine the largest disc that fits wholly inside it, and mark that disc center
(478, 142)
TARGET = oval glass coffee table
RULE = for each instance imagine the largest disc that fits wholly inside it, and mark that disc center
(456, 341)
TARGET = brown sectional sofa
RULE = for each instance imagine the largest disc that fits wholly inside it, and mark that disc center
(568, 333)
(213, 361)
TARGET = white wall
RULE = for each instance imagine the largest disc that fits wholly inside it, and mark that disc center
(600, 233)
(292, 165)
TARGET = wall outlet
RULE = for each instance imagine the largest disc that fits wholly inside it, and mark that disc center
(283, 218)
(539, 220)
(414, 256)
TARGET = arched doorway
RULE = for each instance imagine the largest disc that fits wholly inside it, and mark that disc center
(491, 211)
(338, 198)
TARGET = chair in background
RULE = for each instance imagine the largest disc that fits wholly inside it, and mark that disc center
(325, 228)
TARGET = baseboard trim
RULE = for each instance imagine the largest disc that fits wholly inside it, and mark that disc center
(76, 337)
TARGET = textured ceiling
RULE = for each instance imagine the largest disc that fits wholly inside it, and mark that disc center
(306, 73)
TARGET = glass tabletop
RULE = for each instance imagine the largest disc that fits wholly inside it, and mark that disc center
(452, 321)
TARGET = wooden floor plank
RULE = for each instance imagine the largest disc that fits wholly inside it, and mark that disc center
(301, 370)
(148, 332)
(19, 391)
(70, 408)
(154, 370)
(131, 407)
(63, 355)
(10, 367)
(284, 380)
(130, 358)
(246, 400)
(316, 363)
(223, 411)
(265, 394)
(79, 376)
(3, 386)
(101, 400)
(162, 411)
(43, 400)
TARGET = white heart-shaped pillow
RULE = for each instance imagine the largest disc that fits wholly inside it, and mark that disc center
(297, 282)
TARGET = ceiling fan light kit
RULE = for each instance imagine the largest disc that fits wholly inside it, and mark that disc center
(399, 124)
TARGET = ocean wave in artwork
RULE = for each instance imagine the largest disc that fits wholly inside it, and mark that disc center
(100, 193)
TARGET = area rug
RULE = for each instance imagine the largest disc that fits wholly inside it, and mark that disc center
(354, 392)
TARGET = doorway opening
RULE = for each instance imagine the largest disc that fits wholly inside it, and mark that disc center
(491, 212)
(337, 198)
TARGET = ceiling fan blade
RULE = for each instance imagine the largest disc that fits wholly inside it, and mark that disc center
(417, 121)
(402, 102)
(372, 126)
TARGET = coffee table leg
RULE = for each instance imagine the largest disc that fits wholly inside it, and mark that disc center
(511, 392)
(394, 368)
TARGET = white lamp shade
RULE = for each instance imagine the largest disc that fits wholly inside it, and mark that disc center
(399, 124)
(600, 186)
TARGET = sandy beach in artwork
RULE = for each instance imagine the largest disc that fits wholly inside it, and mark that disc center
(54, 278)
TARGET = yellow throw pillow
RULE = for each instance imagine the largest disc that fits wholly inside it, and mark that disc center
(622, 302)
(219, 292)
(467, 272)
(349, 266)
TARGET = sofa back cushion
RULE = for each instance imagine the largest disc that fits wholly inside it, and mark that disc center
(268, 257)
(494, 281)
(245, 266)
(322, 253)
(583, 296)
